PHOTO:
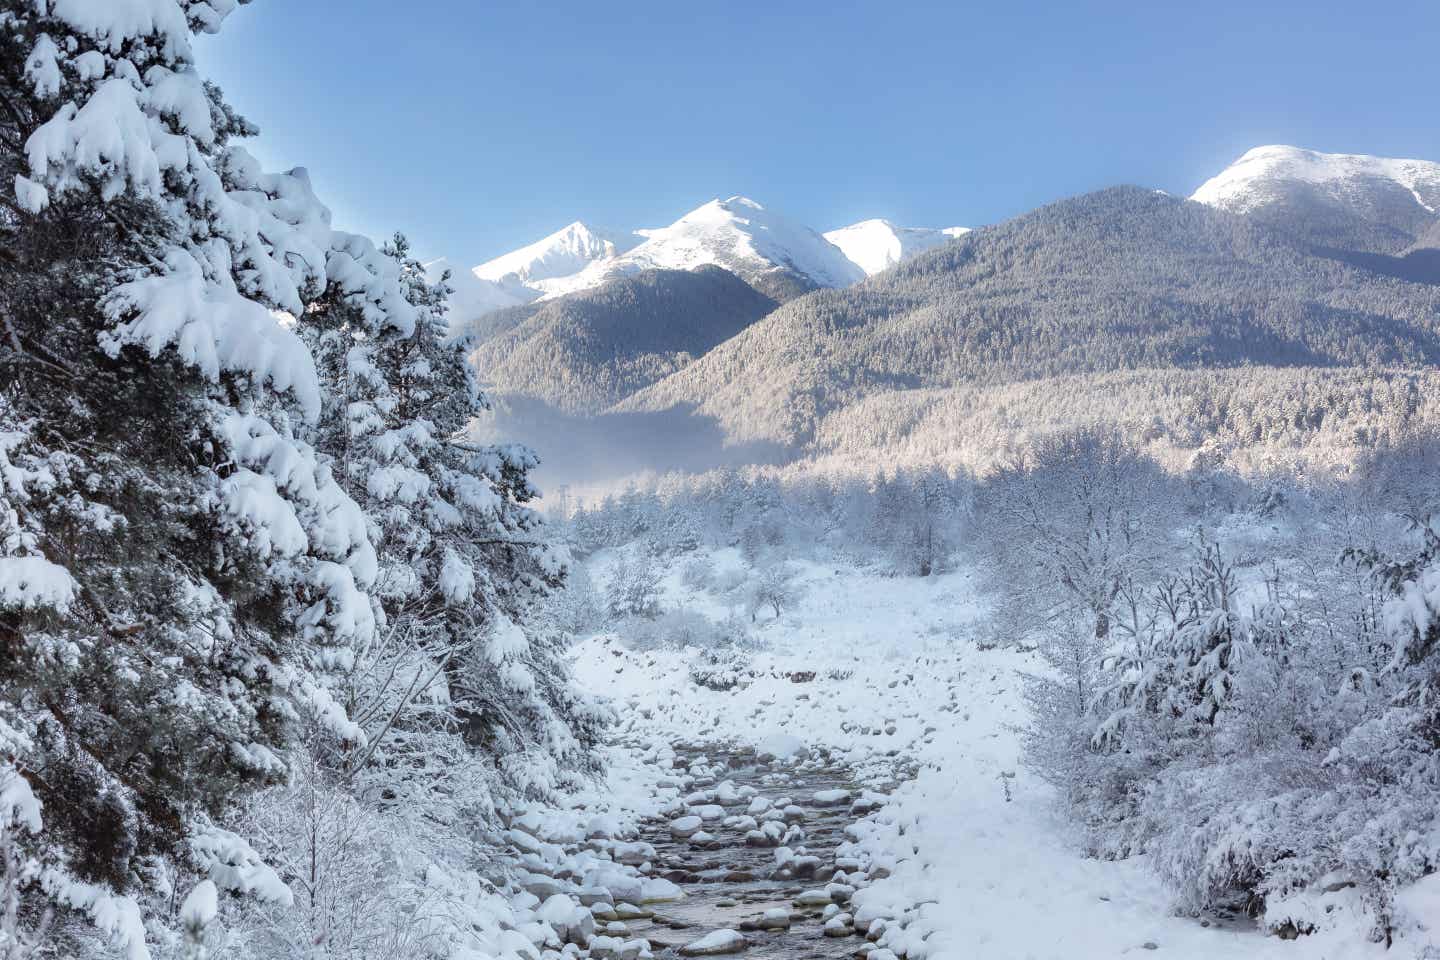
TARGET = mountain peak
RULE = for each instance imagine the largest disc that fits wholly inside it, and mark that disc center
(876, 245)
(566, 251)
(1335, 200)
(738, 233)
(1242, 185)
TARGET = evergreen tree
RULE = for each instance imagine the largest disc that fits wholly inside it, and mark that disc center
(180, 577)
(461, 555)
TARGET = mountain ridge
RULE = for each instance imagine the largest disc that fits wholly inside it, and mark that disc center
(1119, 279)
(778, 256)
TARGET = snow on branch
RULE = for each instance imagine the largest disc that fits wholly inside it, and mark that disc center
(213, 327)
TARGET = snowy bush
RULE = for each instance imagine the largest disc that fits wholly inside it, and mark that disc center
(634, 587)
(730, 581)
(698, 573)
(682, 628)
(1264, 754)
(721, 670)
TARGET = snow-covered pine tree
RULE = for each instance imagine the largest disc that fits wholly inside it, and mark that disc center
(180, 577)
(462, 557)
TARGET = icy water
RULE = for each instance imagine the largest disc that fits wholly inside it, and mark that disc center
(727, 886)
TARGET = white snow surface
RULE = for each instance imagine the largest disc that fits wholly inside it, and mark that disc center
(472, 296)
(201, 906)
(530, 273)
(1247, 183)
(740, 232)
(562, 254)
(981, 860)
(878, 245)
(736, 233)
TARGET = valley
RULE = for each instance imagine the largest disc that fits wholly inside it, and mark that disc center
(1062, 586)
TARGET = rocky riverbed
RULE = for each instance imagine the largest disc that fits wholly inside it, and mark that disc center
(753, 854)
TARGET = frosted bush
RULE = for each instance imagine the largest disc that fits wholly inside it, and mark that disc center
(698, 573)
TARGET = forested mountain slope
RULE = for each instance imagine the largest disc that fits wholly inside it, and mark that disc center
(1122, 279)
(1253, 419)
(586, 351)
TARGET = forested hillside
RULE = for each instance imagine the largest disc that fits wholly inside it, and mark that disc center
(586, 351)
(1249, 418)
(1122, 279)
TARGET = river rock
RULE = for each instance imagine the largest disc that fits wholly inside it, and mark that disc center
(805, 866)
(628, 911)
(659, 890)
(593, 895)
(633, 854)
(781, 746)
(715, 943)
(542, 887)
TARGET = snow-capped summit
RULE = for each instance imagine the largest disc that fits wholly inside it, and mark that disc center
(876, 245)
(779, 257)
(742, 235)
(1336, 201)
(562, 254)
(738, 234)
(528, 274)
(1251, 181)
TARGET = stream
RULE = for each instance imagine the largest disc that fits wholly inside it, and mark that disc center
(729, 869)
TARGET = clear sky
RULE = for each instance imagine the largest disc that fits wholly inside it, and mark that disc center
(478, 126)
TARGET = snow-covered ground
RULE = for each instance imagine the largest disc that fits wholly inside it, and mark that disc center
(884, 673)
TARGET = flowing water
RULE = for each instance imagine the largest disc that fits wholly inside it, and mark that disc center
(729, 885)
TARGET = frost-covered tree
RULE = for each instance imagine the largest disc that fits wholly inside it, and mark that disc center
(1068, 525)
(1252, 748)
(773, 586)
(462, 558)
(181, 576)
(633, 589)
(1062, 701)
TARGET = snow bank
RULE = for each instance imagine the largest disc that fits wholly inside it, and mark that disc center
(876, 672)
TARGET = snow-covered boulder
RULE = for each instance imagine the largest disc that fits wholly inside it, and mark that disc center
(715, 943)
(781, 746)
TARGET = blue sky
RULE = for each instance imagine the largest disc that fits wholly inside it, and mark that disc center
(479, 126)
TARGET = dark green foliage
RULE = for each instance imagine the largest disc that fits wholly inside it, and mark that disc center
(119, 761)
